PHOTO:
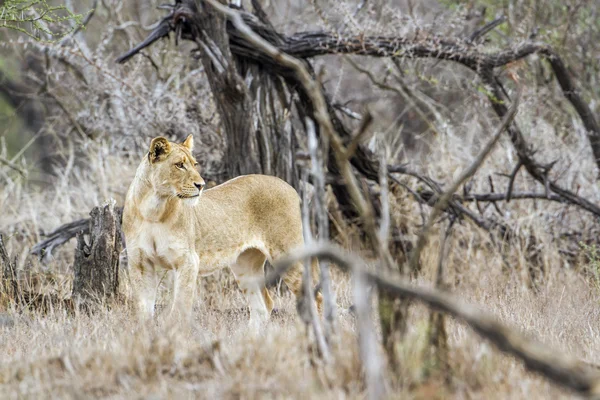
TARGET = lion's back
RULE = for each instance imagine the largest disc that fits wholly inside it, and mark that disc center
(259, 204)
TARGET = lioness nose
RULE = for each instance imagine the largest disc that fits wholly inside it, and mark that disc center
(199, 185)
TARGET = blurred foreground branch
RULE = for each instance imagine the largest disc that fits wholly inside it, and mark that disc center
(537, 357)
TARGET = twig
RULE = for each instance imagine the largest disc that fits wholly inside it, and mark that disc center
(491, 181)
(511, 181)
(403, 92)
(439, 277)
(537, 357)
(484, 30)
(83, 24)
(360, 134)
(384, 224)
(496, 197)
(12, 166)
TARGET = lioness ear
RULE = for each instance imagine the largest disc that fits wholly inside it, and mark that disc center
(159, 149)
(189, 142)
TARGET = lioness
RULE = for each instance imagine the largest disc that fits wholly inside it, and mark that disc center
(171, 223)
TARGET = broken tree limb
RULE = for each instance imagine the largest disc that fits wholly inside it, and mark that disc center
(60, 236)
(560, 369)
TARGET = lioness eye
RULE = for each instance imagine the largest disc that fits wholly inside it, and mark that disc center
(179, 165)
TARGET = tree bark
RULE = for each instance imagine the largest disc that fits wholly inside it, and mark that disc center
(96, 268)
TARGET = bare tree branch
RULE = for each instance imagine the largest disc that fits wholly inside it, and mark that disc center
(306, 304)
(59, 236)
(320, 201)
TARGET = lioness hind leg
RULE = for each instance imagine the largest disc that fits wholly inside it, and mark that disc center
(293, 280)
(249, 270)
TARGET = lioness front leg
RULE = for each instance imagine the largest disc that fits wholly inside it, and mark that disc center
(144, 281)
(184, 289)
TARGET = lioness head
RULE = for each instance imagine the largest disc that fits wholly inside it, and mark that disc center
(174, 170)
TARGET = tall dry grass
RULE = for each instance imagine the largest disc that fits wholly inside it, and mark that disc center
(107, 354)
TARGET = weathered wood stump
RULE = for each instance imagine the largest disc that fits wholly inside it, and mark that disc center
(96, 267)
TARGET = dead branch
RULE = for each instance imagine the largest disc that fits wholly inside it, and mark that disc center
(306, 303)
(496, 197)
(560, 369)
(511, 180)
(539, 172)
(13, 166)
(484, 30)
(320, 200)
(59, 236)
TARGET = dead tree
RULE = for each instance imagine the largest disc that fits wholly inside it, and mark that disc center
(192, 20)
(96, 265)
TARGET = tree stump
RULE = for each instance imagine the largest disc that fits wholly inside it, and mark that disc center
(96, 268)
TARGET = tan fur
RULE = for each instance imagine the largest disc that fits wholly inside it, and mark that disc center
(171, 224)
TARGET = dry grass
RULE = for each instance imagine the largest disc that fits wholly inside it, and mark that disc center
(60, 355)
